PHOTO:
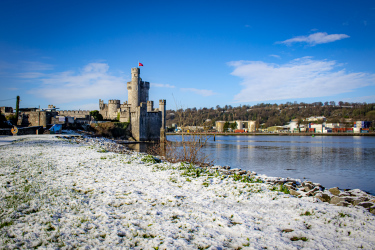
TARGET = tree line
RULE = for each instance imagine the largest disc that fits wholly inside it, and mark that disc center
(269, 115)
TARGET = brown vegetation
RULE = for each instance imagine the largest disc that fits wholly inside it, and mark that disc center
(111, 129)
(188, 149)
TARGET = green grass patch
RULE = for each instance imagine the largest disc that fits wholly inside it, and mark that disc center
(295, 238)
(307, 213)
(6, 224)
(342, 215)
(150, 159)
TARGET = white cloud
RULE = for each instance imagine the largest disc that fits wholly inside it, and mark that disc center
(93, 81)
(316, 38)
(30, 75)
(301, 78)
(160, 85)
(276, 56)
(36, 66)
(202, 92)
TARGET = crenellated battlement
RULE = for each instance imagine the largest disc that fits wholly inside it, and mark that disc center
(82, 112)
(114, 101)
(74, 113)
(145, 85)
(135, 72)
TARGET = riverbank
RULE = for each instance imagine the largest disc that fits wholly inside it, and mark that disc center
(61, 194)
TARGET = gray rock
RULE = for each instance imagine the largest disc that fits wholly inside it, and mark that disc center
(334, 191)
(366, 204)
(323, 197)
(290, 187)
(307, 182)
(319, 186)
(345, 194)
(343, 204)
(293, 192)
(335, 200)
(242, 172)
(371, 210)
(313, 191)
(354, 200)
(287, 230)
(223, 171)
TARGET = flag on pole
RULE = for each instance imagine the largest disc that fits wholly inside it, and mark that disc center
(140, 64)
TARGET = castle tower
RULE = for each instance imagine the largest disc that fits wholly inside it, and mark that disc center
(150, 106)
(113, 105)
(162, 109)
(145, 87)
(134, 88)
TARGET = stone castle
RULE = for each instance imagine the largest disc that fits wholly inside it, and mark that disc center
(147, 123)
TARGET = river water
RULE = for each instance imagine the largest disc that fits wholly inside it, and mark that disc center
(346, 162)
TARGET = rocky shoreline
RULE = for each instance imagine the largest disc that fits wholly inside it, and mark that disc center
(335, 196)
(295, 187)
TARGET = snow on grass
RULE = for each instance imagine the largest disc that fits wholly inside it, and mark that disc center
(59, 194)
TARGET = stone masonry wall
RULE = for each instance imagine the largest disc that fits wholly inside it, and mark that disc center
(145, 125)
(74, 113)
(36, 118)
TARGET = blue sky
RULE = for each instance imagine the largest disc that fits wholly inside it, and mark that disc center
(195, 53)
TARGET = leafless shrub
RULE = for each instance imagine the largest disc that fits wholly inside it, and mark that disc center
(188, 149)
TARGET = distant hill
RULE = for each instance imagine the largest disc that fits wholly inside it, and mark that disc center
(272, 114)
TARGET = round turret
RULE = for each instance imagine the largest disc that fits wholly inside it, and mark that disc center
(113, 105)
(134, 89)
(135, 72)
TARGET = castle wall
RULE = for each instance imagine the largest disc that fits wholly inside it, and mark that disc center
(125, 115)
(6, 110)
(153, 126)
(74, 113)
(145, 125)
(36, 118)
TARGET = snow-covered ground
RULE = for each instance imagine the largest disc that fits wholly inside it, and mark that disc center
(59, 194)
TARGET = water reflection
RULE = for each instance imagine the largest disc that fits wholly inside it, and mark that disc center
(139, 147)
(346, 162)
